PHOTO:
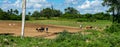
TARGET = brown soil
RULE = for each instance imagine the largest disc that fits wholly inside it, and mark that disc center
(30, 29)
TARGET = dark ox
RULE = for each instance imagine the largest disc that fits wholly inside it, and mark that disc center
(40, 29)
(88, 27)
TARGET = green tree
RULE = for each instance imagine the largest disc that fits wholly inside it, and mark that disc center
(50, 12)
(11, 11)
(71, 10)
(87, 15)
(29, 13)
(114, 8)
(8, 11)
(4, 16)
(57, 13)
(16, 11)
(36, 14)
(1, 10)
(47, 12)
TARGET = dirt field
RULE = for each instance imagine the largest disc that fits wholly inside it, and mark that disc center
(30, 29)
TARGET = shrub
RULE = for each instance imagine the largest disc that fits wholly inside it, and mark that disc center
(115, 27)
(86, 20)
(65, 39)
(82, 20)
(70, 16)
(63, 36)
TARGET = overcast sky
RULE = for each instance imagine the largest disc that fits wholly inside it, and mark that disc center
(84, 6)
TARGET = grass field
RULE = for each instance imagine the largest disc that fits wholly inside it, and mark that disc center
(55, 26)
(72, 22)
(65, 39)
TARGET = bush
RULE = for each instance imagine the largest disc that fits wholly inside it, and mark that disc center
(114, 28)
(86, 20)
(63, 36)
(82, 20)
(65, 39)
(70, 16)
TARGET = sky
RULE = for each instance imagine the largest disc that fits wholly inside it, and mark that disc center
(83, 6)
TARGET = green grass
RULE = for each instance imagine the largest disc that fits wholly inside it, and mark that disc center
(55, 22)
(69, 22)
(98, 23)
(65, 39)
(73, 22)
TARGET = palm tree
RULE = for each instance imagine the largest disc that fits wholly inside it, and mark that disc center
(11, 11)
(16, 11)
(29, 13)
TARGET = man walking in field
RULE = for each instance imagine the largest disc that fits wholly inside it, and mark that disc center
(47, 29)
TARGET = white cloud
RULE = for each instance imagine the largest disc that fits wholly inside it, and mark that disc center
(88, 4)
(4, 1)
(36, 1)
(96, 2)
(91, 6)
(85, 5)
(7, 4)
(71, 1)
(18, 4)
(31, 4)
(37, 6)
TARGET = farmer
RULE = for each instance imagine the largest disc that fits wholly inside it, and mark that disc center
(47, 29)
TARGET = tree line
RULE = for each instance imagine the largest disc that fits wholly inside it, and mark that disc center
(11, 15)
(69, 13)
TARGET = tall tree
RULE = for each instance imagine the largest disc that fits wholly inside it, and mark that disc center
(47, 12)
(36, 14)
(16, 11)
(114, 8)
(71, 10)
(29, 13)
(4, 16)
(11, 11)
(57, 13)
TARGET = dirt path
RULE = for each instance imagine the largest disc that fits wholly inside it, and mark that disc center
(30, 29)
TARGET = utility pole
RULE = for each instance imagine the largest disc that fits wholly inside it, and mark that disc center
(23, 17)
